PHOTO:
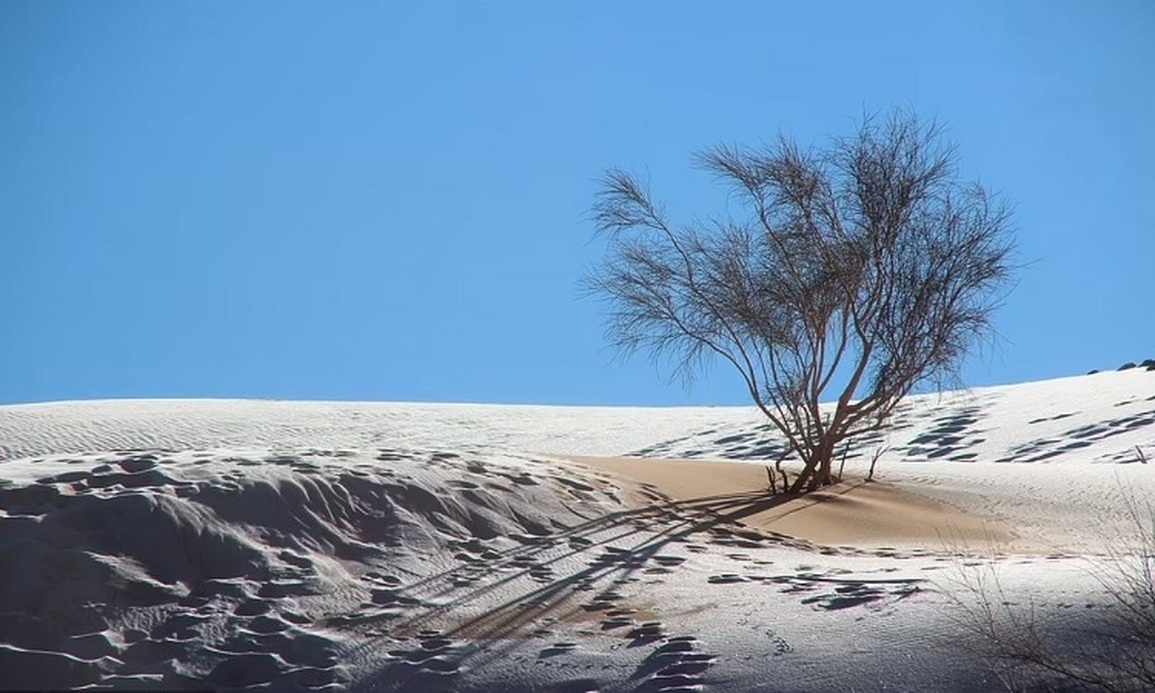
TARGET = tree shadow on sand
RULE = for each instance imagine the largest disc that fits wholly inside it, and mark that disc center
(631, 541)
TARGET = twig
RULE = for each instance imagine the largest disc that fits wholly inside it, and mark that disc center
(842, 464)
(878, 452)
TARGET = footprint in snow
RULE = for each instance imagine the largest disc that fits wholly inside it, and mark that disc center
(675, 665)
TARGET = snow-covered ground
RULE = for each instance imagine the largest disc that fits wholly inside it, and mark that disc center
(421, 547)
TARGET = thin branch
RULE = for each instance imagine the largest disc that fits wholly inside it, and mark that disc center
(870, 256)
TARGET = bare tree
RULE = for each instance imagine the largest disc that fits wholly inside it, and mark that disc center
(857, 272)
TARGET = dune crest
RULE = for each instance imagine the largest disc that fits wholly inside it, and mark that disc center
(394, 547)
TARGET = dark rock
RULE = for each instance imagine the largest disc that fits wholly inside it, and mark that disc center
(1093, 372)
(1127, 366)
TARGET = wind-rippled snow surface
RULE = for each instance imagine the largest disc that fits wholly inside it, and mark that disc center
(410, 547)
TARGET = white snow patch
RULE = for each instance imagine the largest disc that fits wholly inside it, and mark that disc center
(306, 545)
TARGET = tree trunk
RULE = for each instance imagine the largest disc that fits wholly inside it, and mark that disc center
(818, 471)
(825, 474)
(821, 476)
(804, 476)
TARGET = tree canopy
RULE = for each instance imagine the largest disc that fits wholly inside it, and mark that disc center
(854, 273)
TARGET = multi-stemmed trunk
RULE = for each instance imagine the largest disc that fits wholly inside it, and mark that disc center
(818, 469)
(870, 259)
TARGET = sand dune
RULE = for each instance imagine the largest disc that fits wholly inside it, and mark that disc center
(395, 547)
(857, 512)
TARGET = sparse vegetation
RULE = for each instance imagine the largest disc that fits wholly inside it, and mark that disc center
(1110, 648)
(857, 272)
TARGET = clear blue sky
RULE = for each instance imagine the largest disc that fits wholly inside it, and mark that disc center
(386, 201)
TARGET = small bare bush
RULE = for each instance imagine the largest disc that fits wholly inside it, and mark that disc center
(1109, 648)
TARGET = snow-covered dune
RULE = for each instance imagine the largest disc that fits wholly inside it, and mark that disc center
(304, 545)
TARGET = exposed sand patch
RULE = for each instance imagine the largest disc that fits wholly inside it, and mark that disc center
(402, 547)
(854, 513)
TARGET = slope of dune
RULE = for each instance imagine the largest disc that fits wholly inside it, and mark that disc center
(309, 546)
